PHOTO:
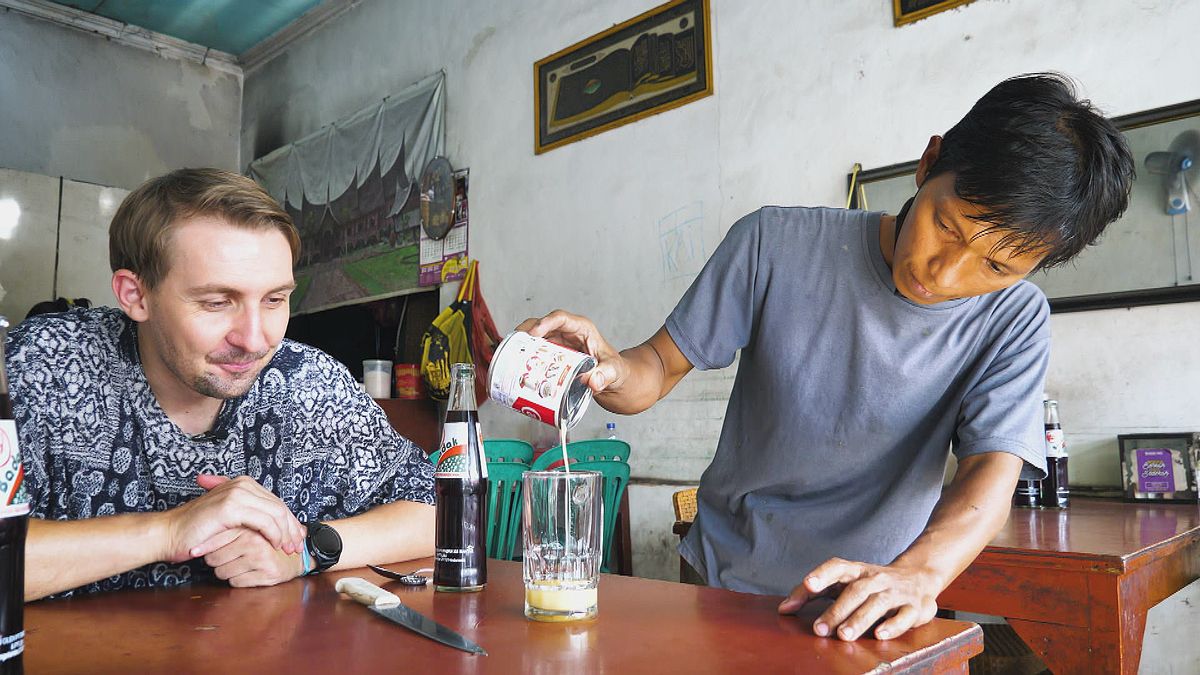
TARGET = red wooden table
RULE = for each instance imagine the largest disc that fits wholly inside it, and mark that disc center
(1076, 583)
(303, 626)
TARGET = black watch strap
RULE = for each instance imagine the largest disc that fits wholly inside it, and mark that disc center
(324, 545)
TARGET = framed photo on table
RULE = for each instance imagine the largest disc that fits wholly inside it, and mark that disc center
(656, 61)
(1160, 467)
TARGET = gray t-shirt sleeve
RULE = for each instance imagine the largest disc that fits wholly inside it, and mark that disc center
(1002, 412)
(718, 314)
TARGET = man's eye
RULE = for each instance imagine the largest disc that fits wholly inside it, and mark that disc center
(995, 267)
(275, 301)
(215, 304)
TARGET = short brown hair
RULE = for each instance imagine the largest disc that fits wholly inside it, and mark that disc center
(141, 229)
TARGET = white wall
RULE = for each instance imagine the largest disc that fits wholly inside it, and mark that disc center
(803, 90)
(77, 105)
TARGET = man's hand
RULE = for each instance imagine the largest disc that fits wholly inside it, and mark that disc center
(251, 560)
(865, 594)
(579, 333)
(213, 520)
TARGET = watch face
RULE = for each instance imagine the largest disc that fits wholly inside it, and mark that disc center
(326, 540)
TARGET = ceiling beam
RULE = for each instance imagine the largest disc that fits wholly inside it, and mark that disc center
(126, 34)
(274, 45)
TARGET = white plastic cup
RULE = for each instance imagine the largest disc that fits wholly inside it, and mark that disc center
(377, 378)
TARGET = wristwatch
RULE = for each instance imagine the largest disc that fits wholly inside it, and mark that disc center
(324, 547)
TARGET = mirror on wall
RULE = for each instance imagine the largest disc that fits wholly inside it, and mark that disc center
(1150, 256)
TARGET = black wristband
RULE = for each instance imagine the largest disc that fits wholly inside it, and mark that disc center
(324, 545)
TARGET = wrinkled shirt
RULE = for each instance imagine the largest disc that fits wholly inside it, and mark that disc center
(95, 441)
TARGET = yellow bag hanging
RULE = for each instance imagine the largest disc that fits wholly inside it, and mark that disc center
(447, 342)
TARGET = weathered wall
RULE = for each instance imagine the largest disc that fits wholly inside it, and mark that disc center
(77, 105)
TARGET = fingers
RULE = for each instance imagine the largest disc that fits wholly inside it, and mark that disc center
(795, 600)
(873, 608)
(199, 525)
(904, 618)
(219, 540)
(209, 481)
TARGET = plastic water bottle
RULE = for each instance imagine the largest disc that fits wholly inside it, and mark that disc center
(611, 430)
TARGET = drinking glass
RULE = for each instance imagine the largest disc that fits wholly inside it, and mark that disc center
(562, 514)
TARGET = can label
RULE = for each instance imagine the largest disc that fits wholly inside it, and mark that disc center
(1055, 445)
(535, 376)
(408, 381)
(13, 498)
(452, 463)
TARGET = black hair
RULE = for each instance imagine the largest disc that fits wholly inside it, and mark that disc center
(1044, 167)
(56, 306)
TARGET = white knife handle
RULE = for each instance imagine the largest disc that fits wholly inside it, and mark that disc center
(366, 592)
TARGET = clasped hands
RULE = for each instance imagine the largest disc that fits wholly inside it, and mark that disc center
(865, 594)
(243, 531)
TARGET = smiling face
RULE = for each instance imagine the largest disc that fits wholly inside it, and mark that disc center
(940, 253)
(217, 317)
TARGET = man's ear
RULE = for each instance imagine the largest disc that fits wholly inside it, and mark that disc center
(131, 295)
(928, 158)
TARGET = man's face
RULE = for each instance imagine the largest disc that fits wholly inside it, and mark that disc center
(218, 316)
(938, 257)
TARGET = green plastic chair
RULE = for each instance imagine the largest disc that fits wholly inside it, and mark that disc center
(616, 477)
(507, 450)
(504, 508)
(596, 449)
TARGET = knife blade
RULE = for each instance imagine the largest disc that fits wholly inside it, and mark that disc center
(388, 606)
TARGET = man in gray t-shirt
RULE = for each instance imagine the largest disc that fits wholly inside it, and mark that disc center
(871, 346)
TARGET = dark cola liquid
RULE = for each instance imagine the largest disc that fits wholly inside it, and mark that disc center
(12, 580)
(460, 556)
(12, 593)
(1055, 487)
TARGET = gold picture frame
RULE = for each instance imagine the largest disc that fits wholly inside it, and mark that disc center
(656, 61)
(908, 11)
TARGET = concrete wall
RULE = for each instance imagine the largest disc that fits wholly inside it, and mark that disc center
(79, 106)
(616, 226)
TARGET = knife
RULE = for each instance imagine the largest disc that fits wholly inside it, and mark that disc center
(388, 606)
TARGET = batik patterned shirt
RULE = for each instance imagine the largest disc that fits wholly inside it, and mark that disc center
(95, 441)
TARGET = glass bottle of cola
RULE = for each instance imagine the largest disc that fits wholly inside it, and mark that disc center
(1054, 492)
(461, 485)
(14, 519)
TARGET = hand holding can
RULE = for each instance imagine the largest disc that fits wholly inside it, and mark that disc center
(580, 334)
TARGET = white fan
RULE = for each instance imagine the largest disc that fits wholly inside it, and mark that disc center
(1179, 165)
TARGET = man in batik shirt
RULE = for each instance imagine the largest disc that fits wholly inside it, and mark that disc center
(182, 437)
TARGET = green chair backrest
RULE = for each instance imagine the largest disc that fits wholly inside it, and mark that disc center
(507, 450)
(595, 449)
(616, 477)
(504, 509)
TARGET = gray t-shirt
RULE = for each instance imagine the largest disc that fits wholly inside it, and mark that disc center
(847, 398)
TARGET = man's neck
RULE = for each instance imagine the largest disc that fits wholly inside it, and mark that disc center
(193, 412)
(887, 237)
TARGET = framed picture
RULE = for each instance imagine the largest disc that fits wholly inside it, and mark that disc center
(908, 11)
(1160, 467)
(653, 62)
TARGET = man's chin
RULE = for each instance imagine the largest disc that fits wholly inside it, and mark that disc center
(225, 387)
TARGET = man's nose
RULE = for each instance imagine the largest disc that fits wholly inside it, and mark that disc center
(947, 268)
(248, 334)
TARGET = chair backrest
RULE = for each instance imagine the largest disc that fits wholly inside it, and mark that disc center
(685, 505)
(616, 477)
(504, 508)
(507, 450)
(591, 450)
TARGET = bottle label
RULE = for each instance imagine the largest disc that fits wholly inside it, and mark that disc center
(453, 462)
(11, 646)
(13, 498)
(1056, 445)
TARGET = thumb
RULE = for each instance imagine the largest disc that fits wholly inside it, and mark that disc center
(600, 377)
(209, 481)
